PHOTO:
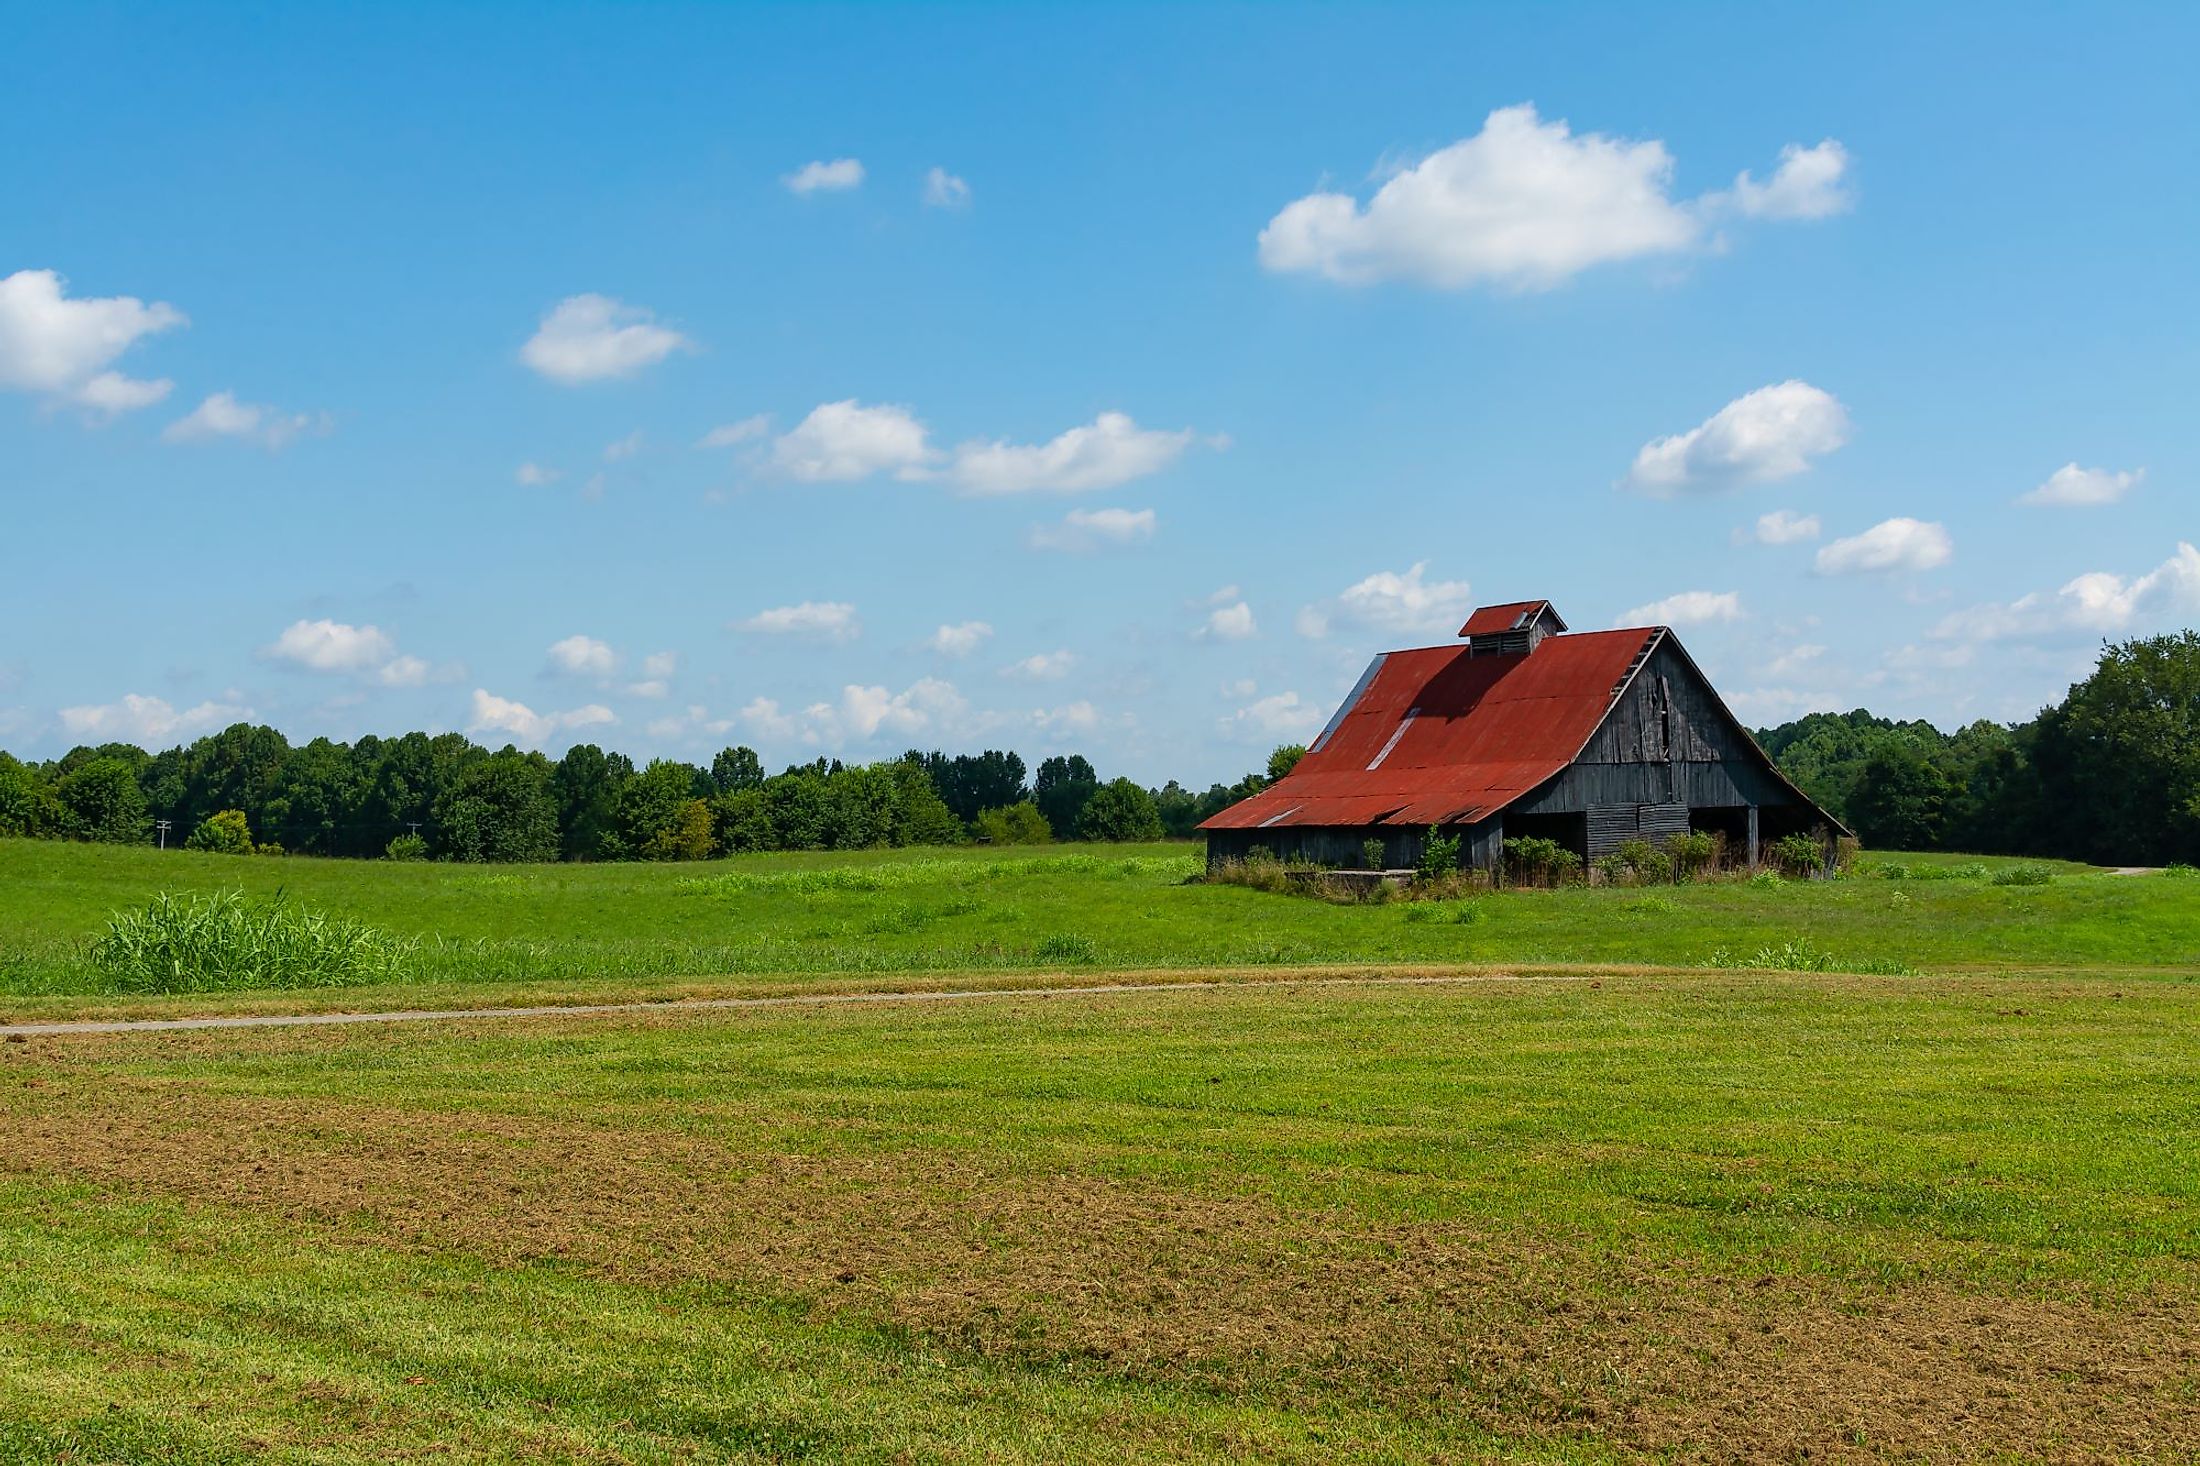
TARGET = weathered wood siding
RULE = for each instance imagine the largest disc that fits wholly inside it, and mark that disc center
(1666, 743)
(1344, 847)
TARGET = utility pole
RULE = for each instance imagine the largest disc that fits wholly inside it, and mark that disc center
(413, 825)
(162, 826)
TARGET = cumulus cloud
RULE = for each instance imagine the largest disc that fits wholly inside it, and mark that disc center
(943, 190)
(1891, 544)
(1111, 449)
(624, 448)
(2072, 487)
(1526, 204)
(1771, 433)
(822, 177)
(493, 714)
(2098, 602)
(732, 434)
(223, 416)
(582, 656)
(960, 639)
(535, 476)
(1794, 660)
(660, 664)
(1041, 667)
(1781, 527)
(840, 442)
(764, 717)
(1279, 715)
(928, 705)
(338, 647)
(62, 346)
(1686, 608)
(1092, 529)
(593, 338)
(332, 646)
(1809, 183)
(147, 721)
(822, 620)
(1392, 602)
(1232, 622)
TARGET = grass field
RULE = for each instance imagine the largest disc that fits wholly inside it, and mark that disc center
(546, 928)
(1719, 1215)
(1553, 1204)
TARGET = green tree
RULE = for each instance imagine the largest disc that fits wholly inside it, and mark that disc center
(224, 832)
(651, 811)
(1061, 789)
(736, 768)
(27, 806)
(500, 809)
(587, 785)
(688, 837)
(2119, 759)
(1119, 810)
(102, 801)
(1284, 760)
(1900, 801)
(968, 783)
(1014, 824)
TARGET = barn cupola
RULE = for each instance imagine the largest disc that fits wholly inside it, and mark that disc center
(1510, 630)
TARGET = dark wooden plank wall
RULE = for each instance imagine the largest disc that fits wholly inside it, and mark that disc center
(1713, 763)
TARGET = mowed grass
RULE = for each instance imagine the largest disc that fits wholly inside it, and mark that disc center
(1718, 1215)
(1116, 908)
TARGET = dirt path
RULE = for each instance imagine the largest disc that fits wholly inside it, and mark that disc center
(791, 1000)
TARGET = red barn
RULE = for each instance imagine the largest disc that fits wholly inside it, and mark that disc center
(1522, 728)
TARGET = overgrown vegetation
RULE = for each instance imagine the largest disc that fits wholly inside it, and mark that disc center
(219, 941)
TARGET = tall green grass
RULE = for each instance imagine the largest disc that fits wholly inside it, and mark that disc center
(217, 941)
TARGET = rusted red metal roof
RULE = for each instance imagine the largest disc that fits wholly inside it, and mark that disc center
(1441, 736)
(1490, 620)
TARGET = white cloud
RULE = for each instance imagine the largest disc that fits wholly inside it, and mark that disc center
(1523, 204)
(960, 639)
(1279, 715)
(110, 393)
(145, 720)
(1781, 527)
(1808, 184)
(731, 434)
(1110, 450)
(1233, 622)
(53, 344)
(2073, 487)
(652, 688)
(1771, 433)
(1042, 666)
(403, 671)
(1091, 529)
(535, 476)
(592, 338)
(1790, 662)
(624, 448)
(1891, 544)
(493, 714)
(825, 620)
(1077, 718)
(928, 705)
(660, 665)
(1687, 608)
(841, 173)
(840, 442)
(582, 656)
(2097, 602)
(765, 718)
(943, 190)
(1392, 603)
(223, 416)
(332, 646)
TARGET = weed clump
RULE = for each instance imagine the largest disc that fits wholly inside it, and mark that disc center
(1069, 948)
(1800, 954)
(221, 942)
(2028, 874)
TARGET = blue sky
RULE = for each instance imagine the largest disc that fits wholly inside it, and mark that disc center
(512, 369)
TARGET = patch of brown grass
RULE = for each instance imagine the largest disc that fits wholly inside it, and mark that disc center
(1223, 1291)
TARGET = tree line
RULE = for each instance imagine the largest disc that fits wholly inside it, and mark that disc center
(2111, 774)
(247, 789)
